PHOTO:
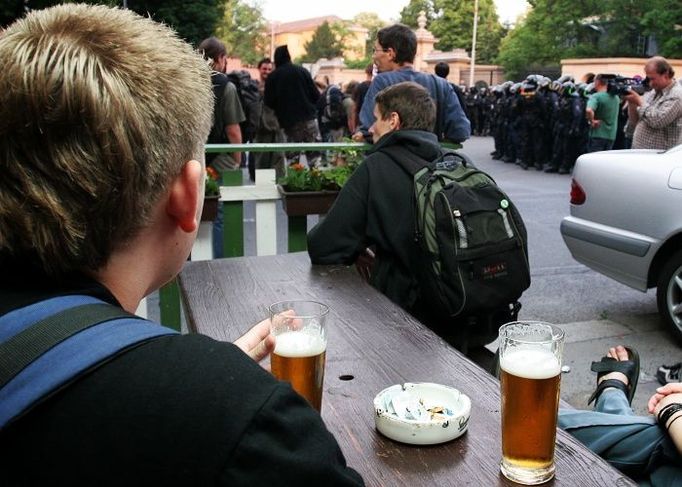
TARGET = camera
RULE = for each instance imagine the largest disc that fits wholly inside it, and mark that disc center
(620, 85)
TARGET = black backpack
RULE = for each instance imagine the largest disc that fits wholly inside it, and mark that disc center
(473, 243)
(334, 113)
(249, 97)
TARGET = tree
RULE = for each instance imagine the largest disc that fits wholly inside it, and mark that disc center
(193, 20)
(372, 22)
(244, 31)
(663, 20)
(323, 44)
(410, 13)
(550, 32)
(558, 29)
(454, 25)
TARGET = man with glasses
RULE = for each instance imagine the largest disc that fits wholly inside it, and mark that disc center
(394, 52)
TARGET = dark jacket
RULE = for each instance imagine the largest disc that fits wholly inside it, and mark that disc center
(375, 208)
(291, 93)
(179, 410)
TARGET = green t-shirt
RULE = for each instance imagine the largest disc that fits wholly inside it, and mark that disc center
(605, 109)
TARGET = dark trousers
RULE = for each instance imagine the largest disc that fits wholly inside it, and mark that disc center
(597, 144)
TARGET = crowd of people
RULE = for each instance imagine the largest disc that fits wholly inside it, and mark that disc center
(101, 196)
(544, 124)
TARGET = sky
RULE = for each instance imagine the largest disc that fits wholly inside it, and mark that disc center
(288, 10)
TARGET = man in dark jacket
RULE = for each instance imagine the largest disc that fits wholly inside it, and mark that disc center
(375, 207)
(292, 94)
(101, 196)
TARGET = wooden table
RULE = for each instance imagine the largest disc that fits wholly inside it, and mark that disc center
(378, 345)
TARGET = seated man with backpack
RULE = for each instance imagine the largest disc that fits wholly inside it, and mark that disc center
(101, 194)
(450, 246)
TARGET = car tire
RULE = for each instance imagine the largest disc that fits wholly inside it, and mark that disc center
(669, 294)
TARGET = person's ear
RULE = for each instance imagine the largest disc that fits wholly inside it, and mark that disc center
(394, 121)
(185, 197)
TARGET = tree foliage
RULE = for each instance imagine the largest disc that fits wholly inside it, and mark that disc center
(193, 20)
(559, 29)
(244, 31)
(372, 22)
(410, 13)
(454, 27)
(323, 44)
(452, 22)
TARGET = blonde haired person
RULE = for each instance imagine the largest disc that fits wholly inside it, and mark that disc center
(103, 117)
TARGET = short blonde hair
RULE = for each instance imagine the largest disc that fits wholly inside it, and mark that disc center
(99, 109)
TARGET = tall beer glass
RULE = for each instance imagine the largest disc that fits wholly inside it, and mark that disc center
(300, 331)
(530, 369)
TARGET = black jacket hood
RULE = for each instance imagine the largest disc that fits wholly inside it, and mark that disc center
(421, 143)
(282, 56)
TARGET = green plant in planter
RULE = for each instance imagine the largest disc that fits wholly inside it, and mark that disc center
(300, 178)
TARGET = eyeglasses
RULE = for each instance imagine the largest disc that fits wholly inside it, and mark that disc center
(381, 49)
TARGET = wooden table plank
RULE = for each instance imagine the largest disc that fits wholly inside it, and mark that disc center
(378, 344)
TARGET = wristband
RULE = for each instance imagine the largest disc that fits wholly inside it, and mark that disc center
(671, 423)
(668, 411)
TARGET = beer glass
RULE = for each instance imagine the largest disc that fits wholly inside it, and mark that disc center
(530, 369)
(300, 332)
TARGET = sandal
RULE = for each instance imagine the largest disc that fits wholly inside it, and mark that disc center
(630, 368)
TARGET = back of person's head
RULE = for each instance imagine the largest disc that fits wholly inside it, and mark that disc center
(411, 102)
(442, 69)
(588, 78)
(282, 56)
(212, 49)
(369, 69)
(602, 79)
(349, 88)
(401, 39)
(99, 111)
(661, 66)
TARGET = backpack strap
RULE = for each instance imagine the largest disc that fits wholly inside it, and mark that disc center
(46, 346)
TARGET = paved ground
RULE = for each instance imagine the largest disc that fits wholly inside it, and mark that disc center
(594, 311)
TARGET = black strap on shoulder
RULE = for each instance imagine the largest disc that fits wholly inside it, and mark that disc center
(25, 347)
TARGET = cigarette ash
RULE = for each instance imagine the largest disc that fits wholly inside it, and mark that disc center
(408, 406)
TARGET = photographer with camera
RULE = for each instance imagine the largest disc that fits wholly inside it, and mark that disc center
(656, 115)
(602, 115)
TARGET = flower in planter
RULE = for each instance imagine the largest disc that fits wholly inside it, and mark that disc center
(300, 178)
(212, 187)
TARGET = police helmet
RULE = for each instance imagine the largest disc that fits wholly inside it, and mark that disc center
(568, 88)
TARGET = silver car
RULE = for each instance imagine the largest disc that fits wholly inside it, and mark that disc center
(626, 222)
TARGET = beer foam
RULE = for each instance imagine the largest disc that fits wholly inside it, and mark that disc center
(530, 363)
(299, 344)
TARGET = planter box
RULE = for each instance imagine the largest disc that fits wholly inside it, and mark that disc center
(298, 203)
(210, 211)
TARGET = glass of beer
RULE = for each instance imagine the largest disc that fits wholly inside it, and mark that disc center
(530, 369)
(300, 332)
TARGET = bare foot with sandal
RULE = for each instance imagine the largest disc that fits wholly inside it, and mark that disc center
(619, 369)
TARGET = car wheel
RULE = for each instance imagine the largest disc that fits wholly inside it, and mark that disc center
(669, 294)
